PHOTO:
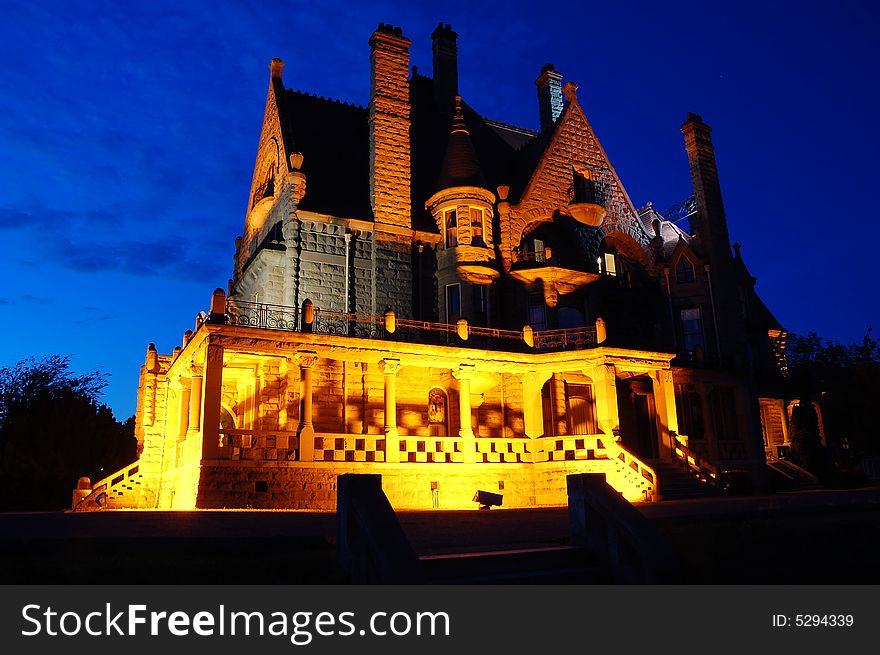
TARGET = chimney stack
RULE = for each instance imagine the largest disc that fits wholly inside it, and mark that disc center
(445, 49)
(276, 66)
(710, 225)
(389, 126)
(550, 101)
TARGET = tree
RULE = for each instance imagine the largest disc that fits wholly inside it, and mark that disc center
(53, 431)
(845, 380)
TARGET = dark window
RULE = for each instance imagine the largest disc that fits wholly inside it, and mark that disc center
(690, 412)
(453, 303)
(691, 329)
(537, 311)
(451, 229)
(684, 270)
(481, 305)
(722, 401)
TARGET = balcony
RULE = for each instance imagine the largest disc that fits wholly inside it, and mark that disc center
(557, 277)
(474, 264)
(392, 328)
(585, 202)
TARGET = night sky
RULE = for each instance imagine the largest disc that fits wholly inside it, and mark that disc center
(128, 134)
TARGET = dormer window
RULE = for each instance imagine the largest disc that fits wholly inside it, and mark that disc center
(451, 228)
(684, 271)
(477, 231)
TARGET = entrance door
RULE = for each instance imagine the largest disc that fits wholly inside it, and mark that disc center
(635, 406)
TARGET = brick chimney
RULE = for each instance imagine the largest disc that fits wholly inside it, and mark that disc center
(445, 49)
(550, 101)
(710, 223)
(389, 126)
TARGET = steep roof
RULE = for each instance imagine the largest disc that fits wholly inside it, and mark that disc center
(460, 165)
(335, 141)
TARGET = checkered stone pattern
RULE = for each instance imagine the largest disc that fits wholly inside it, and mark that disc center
(573, 449)
(273, 448)
(428, 451)
(490, 451)
(350, 449)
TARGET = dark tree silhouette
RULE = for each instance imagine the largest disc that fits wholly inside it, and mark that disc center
(52, 431)
(846, 382)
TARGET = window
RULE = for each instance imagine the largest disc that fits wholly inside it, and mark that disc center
(722, 401)
(537, 311)
(581, 414)
(437, 425)
(453, 302)
(608, 263)
(480, 299)
(684, 270)
(689, 408)
(477, 227)
(691, 329)
(451, 225)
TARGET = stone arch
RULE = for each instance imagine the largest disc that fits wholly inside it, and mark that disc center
(627, 246)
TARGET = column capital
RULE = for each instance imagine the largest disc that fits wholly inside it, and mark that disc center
(305, 358)
(463, 372)
(197, 370)
(390, 366)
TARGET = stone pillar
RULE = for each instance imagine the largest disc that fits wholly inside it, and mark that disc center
(195, 402)
(183, 409)
(533, 406)
(559, 404)
(664, 402)
(306, 430)
(463, 374)
(390, 368)
(212, 389)
(605, 390)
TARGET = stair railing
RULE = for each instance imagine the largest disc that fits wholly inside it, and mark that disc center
(694, 462)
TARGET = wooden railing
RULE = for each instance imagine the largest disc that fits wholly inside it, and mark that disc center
(695, 462)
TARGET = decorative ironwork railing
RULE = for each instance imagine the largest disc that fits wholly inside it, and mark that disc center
(570, 338)
(262, 315)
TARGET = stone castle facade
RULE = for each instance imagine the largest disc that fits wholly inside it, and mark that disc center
(460, 304)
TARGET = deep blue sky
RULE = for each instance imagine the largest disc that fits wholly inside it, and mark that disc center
(128, 133)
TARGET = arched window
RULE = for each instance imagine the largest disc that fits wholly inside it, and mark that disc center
(438, 425)
(684, 270)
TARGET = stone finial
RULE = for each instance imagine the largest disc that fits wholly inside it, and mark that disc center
(276, 66)
(218, 301)
(569, 89)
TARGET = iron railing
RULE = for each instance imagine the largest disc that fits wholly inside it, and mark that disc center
(278, 317)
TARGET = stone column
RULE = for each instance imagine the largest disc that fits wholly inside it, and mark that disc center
(463, 374)
(306, 430)
(664, 401)
(559, 405)
(183, 409)
(390, 368)
(195, 401)
(604, 378)
(212, 389)
(533, 406)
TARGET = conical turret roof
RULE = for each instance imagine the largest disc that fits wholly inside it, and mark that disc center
(460, 166)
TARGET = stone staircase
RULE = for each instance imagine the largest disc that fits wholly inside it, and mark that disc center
(677, 483)
(794, 477)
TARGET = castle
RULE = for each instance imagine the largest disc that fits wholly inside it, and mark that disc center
(460, 304)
